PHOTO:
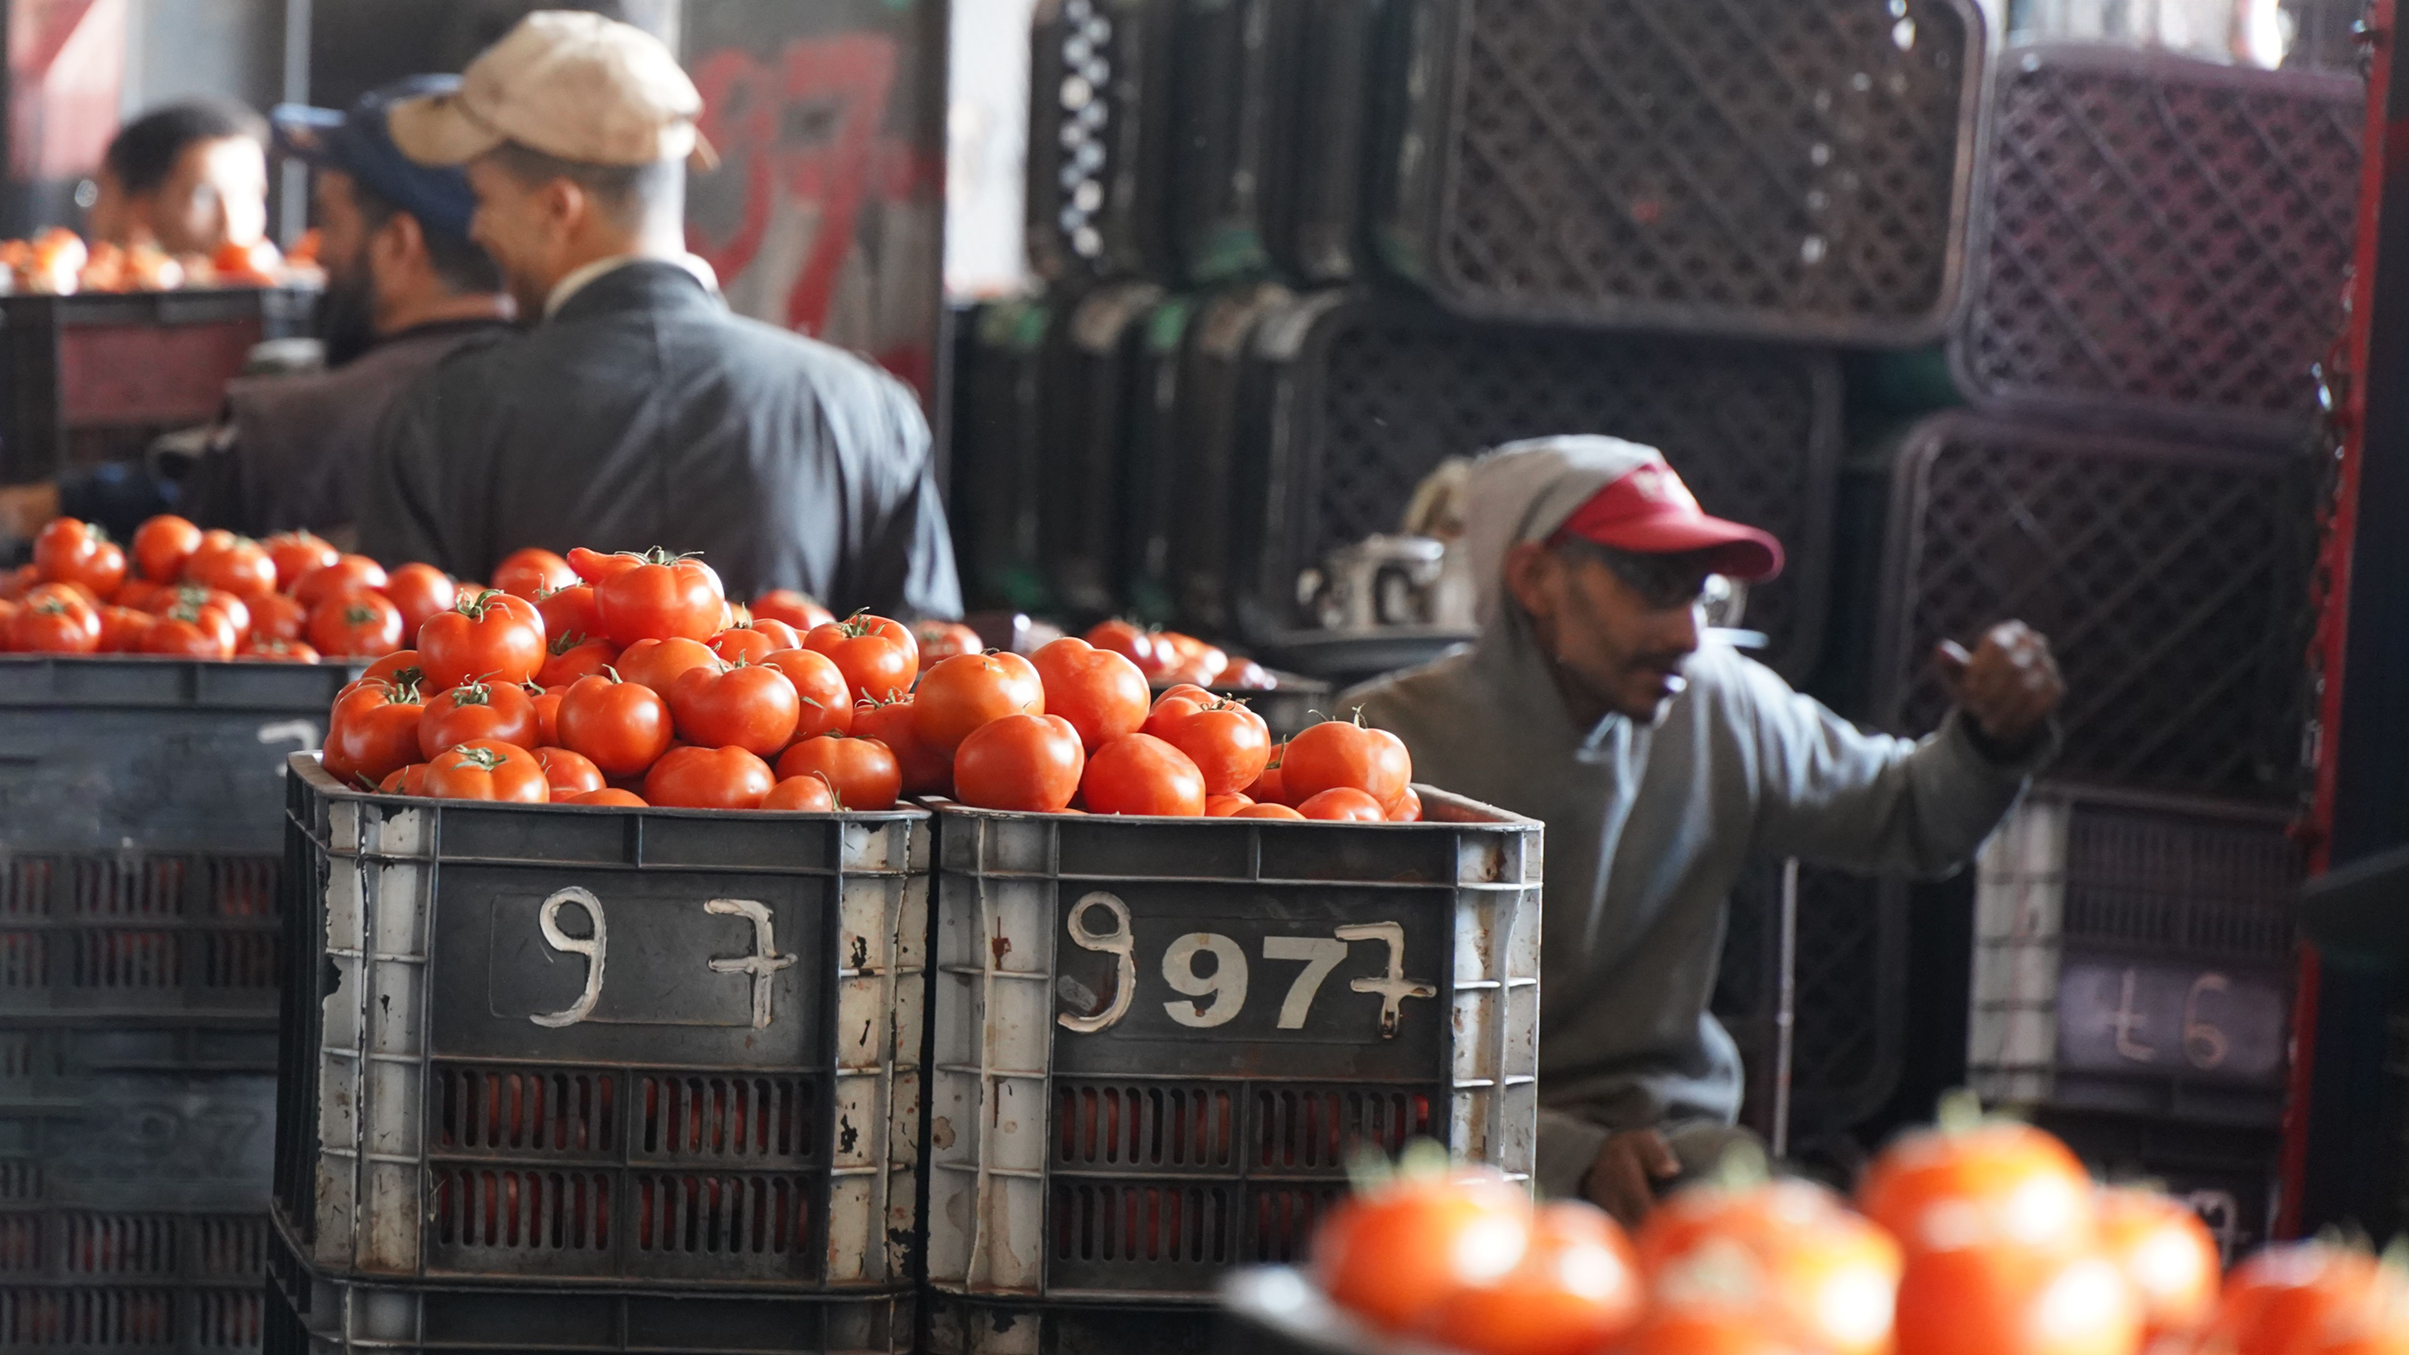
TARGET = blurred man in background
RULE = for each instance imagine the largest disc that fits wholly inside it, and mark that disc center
(187, 178)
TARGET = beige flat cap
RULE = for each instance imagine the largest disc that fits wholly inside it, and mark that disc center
(567, 83)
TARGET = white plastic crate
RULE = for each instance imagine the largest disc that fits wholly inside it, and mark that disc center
(628, 1046)
(1157, 1040)
(2133, 954)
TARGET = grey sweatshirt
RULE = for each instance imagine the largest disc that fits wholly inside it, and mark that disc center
(1649, 827)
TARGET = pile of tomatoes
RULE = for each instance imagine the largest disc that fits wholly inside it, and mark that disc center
(1977, 1238)
(1169, 659)
(1075, 726)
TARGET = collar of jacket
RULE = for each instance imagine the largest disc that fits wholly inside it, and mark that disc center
(634, 284)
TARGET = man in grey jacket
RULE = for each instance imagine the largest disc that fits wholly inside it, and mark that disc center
(1661, 763)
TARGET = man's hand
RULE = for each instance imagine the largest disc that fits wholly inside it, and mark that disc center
(1623, 1179)
(2009, 686)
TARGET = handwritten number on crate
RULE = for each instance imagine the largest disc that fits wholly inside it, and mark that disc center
(1229, 985)
(762, 964)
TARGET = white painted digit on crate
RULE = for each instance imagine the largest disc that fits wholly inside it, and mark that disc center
(592, 948)
(2127, 1021)
(1392, 986)
(1118, 943)
(2203, 1042)
(1226, 985)
(765, 961)
(300, 733)
(1321, 954)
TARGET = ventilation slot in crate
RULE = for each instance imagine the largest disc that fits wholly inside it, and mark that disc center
(1157, 1223)
(107, 1318)
(525, 1110)
(1284, 1219)
(728, 1117)
(227, 1319)
(121, 1244)
(1316, 1129)
(483, 1207)
(722, 1215)
(1144, 1126)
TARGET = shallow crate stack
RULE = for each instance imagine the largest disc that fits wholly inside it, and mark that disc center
(1156, 1042)
(139, 970)
(597, 1079)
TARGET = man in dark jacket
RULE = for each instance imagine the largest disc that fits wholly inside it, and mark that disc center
(638, 412)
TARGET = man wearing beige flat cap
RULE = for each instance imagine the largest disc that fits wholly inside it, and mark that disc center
(637, 411)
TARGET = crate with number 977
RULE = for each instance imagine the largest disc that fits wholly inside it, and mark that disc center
(601, 1047)
(1157, 1042)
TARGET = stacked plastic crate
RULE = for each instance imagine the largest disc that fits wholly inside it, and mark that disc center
(2166, 247)
(139, 970)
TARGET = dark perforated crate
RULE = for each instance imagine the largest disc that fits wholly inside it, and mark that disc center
(652, 1047)
(1351, 400)
(959, 1326)
(1796, 169)
(76, 1281)
(2170, 578)
(1150, 458)
(1112, 1121)
(140, 935)
(1313, 212)
(1207, 487)
(1088, 420)
(2166, 238)
(1235, 108)
(310, 1313)
(2135, 955)
(1100, 150)
(999, 451)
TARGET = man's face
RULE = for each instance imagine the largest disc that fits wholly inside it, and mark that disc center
(348, 315)
(1622, 641)
(517, 226)
(218, 194)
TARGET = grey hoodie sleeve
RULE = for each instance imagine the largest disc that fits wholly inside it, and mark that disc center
(1831, 794)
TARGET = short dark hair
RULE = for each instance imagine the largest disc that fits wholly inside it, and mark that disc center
(624, 191)
(463, 265)
(143, 155)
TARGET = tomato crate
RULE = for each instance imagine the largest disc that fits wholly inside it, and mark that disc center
(78, 1281)
(311, 1313)
(2134, 954)
(1157, 1040)
(606, 1048)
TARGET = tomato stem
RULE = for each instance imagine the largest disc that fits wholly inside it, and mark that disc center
(1960, 1111)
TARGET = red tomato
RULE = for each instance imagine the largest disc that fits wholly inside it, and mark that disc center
(877, 656)
(532, 572)
(969, 690)
(791, 607)
(925, 771)
(662, 597)
(279, 651)
(163, 544)
(19, 581)
(1394, 1253)
(486, 639)
(488, 769)
(1575, 1289)
(1408, 809)
(1973, 1182)
(941, 640)
(2166, 1254)
(1341, 753)
(1246, 675)
(348, 573)
(1223, 806)
(400, 666)
(1228, 743)
(2010, 1299)
(191, 632)
(1267, 810)
(355, 625)
(122, 629)
(2290, 1299)
(1101, 693)
(570, 612)
(547, 713)
(708, 778)
(568, 773)
(236, 610)
(1022, 762)
(623, 727)
(748, 706)
(479, 710)
(1703, 1331)
(1344, 804)
(610, 796)
(297, 553)
(1801, 1262)
(57, 623)
(862, 772)
(742, 644)
(569, 659)
(1127, 640)
(373, 732)
(1174, 706)
(410, 780)
(594, 566)
(801, 795)
(658, 663)
(136, 593)
(278, 617)
(1141, 774)
(1271, 787)
(419, 592)
(72, 551)
(826, 703)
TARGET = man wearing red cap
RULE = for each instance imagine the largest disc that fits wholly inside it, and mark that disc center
(1661, 762)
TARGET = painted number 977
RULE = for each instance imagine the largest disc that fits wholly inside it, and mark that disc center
(1216, 998)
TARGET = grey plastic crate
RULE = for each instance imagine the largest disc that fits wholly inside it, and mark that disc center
(2163, 240)
(2134, 955)
(1207, 488)
(1789, 169)
(1111, 1124)
(1100, 139)
(78, 1281)
(1088, 418)
(309, 1313)
(1313, 212)
(659, 1048)
(139, 936)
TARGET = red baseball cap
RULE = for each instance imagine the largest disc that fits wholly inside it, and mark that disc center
(1649, 511)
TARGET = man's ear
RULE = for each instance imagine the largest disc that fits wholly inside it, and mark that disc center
(396, 243)
(565, 205)
(1530, 567)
